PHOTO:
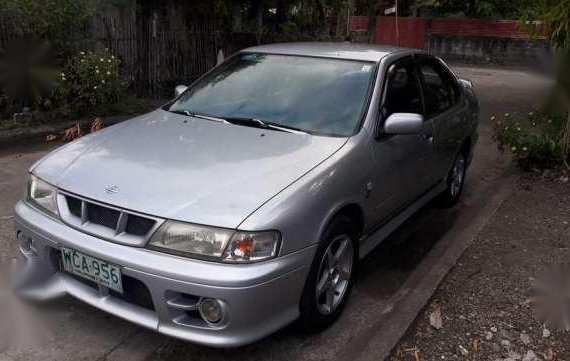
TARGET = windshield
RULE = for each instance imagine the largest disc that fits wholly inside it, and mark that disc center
(316, 95)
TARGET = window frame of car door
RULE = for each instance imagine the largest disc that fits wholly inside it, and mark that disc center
(388, 72)
(437, 65)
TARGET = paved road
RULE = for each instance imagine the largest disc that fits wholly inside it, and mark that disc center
(81, 332)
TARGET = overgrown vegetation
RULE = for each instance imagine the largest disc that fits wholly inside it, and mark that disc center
(534, 139)
(542, 140)
(56, 20)
(555, 17)
(44, 71)
(285, 19)
(90, 79)
(487, 9)
(89, 83)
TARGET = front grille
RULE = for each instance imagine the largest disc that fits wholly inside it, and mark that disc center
(139, 226)
(108, 222)
(74, 205)
(103, 216)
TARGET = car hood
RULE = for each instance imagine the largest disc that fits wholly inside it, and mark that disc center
(185, 168)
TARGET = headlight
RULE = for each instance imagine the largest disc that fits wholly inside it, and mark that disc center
(190, 239)
(252, 246)
(215, 243)
(42, 195)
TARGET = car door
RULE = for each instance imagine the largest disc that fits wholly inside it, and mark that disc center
(400, 161)
(443, 109)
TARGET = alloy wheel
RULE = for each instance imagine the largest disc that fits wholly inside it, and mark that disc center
(334, 274)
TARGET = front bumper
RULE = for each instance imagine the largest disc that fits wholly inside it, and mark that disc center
(160, 289)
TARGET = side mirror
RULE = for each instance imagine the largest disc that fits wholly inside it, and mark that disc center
(404, 123)
(179, 90)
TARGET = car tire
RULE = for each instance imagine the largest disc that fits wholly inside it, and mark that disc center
(330, 279)
(455, 182)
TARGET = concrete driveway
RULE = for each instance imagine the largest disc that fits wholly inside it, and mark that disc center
(81, 332)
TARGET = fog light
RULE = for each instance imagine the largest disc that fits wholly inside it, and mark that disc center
(27, 245)
(211, 310)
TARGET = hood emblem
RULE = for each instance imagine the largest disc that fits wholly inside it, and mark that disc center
(112, 189)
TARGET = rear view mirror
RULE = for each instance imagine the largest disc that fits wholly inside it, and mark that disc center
(179, 90)
(404, 123)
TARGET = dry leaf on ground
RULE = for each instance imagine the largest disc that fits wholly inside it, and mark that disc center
(96, 125)
(435, 317)
(549, 355)
(72, 133)
(476, 343)
(417, 356)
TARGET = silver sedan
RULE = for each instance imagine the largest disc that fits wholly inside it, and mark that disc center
(245, 203)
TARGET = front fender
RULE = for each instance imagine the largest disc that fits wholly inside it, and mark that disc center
(302, 210)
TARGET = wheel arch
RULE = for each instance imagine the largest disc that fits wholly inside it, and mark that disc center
(351, 210)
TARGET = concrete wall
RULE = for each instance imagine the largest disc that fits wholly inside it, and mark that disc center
(488, 50)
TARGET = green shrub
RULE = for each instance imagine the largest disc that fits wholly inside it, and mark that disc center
(127, 105)
(89, 80)
(535, 140)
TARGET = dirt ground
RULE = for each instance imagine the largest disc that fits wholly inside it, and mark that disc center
(484, 302)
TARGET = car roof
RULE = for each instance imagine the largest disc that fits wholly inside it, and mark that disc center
(346, 50)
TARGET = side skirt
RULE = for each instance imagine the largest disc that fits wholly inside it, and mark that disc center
(369, 242)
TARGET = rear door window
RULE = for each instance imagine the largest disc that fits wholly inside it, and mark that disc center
(441, 91)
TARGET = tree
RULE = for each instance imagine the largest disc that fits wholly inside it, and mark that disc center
(555, 14)
(57, 20)
(487, 9)
(41, 34)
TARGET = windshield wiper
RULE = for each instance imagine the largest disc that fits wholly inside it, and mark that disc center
(252, 122)
(258, 123)
(182, 112)
(201, 116)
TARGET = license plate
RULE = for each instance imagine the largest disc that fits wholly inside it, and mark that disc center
(93, 269)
